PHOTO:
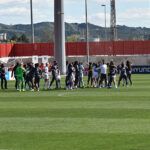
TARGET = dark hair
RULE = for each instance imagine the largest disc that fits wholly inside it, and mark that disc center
(2, 65)
(103, 61)
(111, 63)
(122, 64)
(17, 64)
(37, 65)
(128, 64)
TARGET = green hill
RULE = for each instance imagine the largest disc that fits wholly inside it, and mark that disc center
(44, 32)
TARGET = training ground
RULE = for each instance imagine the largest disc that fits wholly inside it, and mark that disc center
(83, 119)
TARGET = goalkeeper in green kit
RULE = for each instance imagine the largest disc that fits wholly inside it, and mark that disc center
(20, 77)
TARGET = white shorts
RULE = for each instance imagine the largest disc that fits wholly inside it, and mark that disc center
(46, 76)
(95, 75)
(58, 77)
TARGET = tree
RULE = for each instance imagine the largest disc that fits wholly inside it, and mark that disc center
(23, 38)
(14, 38)
(73, 38)
(47, 36)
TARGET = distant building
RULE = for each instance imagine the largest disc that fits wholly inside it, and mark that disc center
(3, 36)
(90, 39)
(95, 39)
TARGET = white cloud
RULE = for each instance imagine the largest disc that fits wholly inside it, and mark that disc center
(99, 19)
(13, 1)
(131, 17)
(14, 11)
(72, 19)
(136, 1)
(18, 11)
(135, 17)
(102, 1)
(135, 13)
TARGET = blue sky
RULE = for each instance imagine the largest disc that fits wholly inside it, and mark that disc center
(129, 12)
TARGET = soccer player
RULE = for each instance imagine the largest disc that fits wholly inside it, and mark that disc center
(37, 77)
(70, 78)
(14, 74)
(108, 72)
(3, 78)
(95, 75)
(20, 70)
(58, 78)
(103, 68)
(112, 75)
(123, 75)
(53, 70)
(46, 77)
(76, 67)
(129, 71)
(81, 74)
(90, 74)
(30, 75)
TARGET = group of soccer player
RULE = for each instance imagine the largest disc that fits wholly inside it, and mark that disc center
(99, 74)
(28, 76)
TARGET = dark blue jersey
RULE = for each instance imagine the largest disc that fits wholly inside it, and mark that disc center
(128, 70)
(37, 72)
(53, 69)
(113, 70)
(123, 71)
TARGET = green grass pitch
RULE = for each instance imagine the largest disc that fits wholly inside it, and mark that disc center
(83, 119)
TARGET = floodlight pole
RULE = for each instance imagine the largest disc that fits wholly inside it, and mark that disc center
(87, 32)
(32, 25)
(59, 30)
(105, 21)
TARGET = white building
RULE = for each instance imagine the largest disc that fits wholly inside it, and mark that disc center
(3, 36)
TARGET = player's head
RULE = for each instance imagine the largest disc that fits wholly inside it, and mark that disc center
(36, 65)
(2, 65)
(103, 61)
(122, 64)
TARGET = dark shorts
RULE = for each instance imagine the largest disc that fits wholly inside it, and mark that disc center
(103, 77)
(37, 79)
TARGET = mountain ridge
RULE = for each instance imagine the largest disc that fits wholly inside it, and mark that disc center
(44, 31)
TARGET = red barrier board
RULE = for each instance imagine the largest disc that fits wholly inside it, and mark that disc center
(77, 48)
